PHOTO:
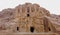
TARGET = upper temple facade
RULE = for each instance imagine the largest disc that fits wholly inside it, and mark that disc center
(30, 18)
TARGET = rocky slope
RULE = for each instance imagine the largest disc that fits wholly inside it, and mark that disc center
(6, 18)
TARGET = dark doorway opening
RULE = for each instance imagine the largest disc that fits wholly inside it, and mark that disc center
(28, 15)
(49, 29)
(17, 28)
(32, 29)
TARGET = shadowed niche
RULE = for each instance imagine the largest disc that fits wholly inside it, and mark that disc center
(28, 15)
(17, 28)
(32, 29)
(49, 29)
